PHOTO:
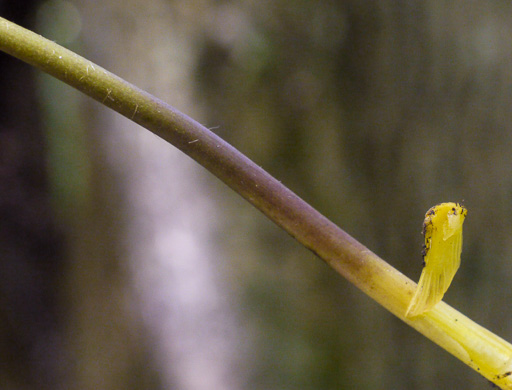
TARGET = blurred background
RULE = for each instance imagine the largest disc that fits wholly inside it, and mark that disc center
(125, 265)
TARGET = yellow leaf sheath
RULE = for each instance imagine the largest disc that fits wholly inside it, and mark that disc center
(443, 244)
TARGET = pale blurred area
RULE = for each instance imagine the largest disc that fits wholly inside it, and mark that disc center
(125, 265)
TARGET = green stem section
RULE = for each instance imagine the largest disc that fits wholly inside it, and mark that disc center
(474, 345)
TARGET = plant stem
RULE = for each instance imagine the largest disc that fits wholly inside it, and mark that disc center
(485, 352)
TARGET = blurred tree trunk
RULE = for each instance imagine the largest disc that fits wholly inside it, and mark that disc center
(105, 343)
(159, 202)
